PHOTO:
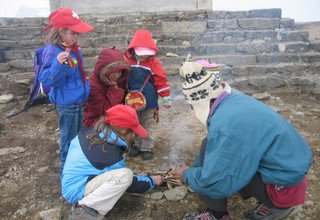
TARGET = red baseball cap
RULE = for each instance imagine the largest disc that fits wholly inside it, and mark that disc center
(124, 116)
(67, 18)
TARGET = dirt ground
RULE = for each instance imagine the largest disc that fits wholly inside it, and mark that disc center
(30, 183)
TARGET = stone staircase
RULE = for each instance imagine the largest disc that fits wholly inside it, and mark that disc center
(258, 50)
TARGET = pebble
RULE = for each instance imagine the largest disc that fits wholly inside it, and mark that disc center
(176, 194)
(156, 195)
(6, 98)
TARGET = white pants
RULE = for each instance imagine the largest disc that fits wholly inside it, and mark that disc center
(103, 191)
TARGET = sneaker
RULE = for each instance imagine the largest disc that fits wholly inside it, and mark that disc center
(134, 151)
(266, 213)
(85, 213)
(147, 155)
(206, 215)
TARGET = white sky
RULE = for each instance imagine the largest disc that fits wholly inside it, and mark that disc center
(299, 10)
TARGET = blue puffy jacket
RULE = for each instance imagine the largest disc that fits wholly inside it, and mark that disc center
(66, 82)
(83, 164)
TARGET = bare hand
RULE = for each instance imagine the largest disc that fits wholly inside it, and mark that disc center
(178, 173)
(156, 115)
(158, 180)
(108, 82)
(63, 57)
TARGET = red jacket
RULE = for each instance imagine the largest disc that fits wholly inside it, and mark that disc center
(143, 38)
(103, 97)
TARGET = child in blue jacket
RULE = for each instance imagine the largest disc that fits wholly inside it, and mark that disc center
(95, 176)
(63, 71)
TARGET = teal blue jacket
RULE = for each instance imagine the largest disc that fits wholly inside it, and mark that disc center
(245, 137)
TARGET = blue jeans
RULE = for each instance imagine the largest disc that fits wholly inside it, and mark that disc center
(70, 123)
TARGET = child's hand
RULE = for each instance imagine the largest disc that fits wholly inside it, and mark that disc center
(63, 57)
(158, 180)
(166, 102)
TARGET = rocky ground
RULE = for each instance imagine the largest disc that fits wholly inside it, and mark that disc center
(29, 179)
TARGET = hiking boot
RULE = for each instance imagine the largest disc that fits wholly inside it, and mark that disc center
(206, 215)
(147, 155)
(266, 213)
(134, 151)
(85, 213)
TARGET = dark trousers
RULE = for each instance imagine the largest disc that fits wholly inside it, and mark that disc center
(255, 188)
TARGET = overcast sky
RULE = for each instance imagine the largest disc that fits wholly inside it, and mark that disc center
(300, 10)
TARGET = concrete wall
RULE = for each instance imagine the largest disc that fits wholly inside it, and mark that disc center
(98, 6)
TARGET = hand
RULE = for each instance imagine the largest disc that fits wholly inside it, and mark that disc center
(156, 115)
(107, 81)
(63, 57)
(158, 180)
(166, 102)
(178, 173)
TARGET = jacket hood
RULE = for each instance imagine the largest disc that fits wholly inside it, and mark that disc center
(142, 38)
(111, 60)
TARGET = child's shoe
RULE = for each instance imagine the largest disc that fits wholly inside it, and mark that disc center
(265, 213)
(206, 215)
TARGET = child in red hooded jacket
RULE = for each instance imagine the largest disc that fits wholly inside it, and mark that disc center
(108, 84)
(147, 73)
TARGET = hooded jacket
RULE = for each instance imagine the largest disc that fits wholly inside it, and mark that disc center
(139, 71)
(68, 85)
(84, 163)
(245, 137)
(103, 97)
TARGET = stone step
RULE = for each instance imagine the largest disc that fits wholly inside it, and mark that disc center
(22, 44)
(285, 69)
(260, 13)
(236, 36)
(234, 60)
(251, 24)
(315, 46)
(236, 48)
(23, 22)
(20, 33)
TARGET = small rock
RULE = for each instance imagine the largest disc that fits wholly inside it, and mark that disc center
(156, 195)
(261, 96)
(299, 113)
(12, 150)
(145, 195)
(171, 55)
(43, 169)
(176, 194)
(281, 47)
(186, 44)
(51, 214)
(22, 211)
(6, 98)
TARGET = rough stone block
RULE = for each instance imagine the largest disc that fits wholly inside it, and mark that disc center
(184, 27)
(259, 23)
(266, 13)
(227, 24)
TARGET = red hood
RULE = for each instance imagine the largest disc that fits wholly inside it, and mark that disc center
(142, 38)
(112, 60)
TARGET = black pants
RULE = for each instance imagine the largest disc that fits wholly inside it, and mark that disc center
(255, 188)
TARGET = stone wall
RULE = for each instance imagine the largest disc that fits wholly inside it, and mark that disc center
(100, 6)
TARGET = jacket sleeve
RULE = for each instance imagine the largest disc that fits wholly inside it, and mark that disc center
(160, 79)
(53, 73)
(141, 184)
(226, 169)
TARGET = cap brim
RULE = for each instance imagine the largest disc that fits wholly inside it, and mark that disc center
(141, 131)
(81, 27)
